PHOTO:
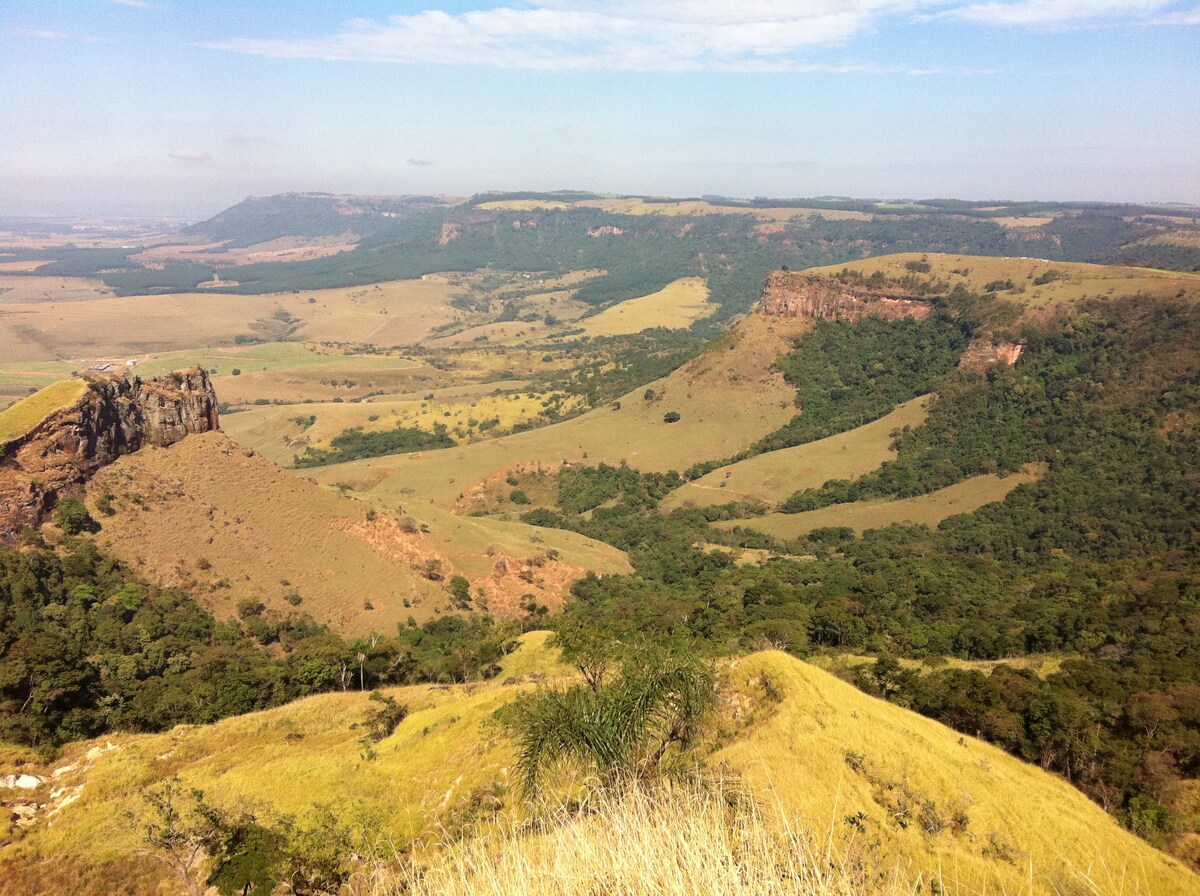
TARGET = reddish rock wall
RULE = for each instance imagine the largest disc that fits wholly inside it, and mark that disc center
(114, 417)
(983, 353)
(788, 294)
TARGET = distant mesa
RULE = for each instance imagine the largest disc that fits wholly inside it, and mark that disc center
(50, 448)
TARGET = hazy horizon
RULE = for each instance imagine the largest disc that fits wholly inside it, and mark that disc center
(131, 107)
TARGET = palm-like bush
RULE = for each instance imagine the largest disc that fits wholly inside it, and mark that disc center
(620, 731)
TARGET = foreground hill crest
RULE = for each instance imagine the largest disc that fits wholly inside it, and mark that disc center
(111, 417)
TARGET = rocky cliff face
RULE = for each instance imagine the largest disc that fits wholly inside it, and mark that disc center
(115, 416)
(984, 353)
(788, 294)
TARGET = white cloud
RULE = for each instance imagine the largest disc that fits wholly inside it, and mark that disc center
(664, 35)
(629, 35)
(1183, 17)
(1059, 12)
(55, 35)
(189, 154)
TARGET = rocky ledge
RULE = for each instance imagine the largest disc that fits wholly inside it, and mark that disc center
(115, 416)
(789, 294)
(985, 352)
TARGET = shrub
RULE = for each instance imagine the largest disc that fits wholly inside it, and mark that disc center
(384, 715)
(72, 517)
(460, 588)
(620, 731)
(671, 417)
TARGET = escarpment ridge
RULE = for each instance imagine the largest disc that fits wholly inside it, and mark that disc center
(113, 416)
(793, 294)
(789, 294)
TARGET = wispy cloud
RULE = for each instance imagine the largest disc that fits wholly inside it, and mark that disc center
(1182, 17)
(36, 34)
(189, 154)
(665, 35)
(420, 162)
(628, 35)
(136, 4)
(1060, 12)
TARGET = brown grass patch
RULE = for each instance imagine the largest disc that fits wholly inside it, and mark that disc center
(773, 477)
(728, 397)
(226, 524)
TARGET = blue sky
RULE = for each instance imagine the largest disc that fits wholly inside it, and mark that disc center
(183, 108)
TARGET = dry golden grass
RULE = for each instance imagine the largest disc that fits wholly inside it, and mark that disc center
(773, 477)
(288, 248)
(35, 290)
(392, 313)
(276, 432)
(1079, 280)
(1022, 221)
(675, 306)
(325, 384)
(29, 412)
(1040, 664)
(227, 526)
(673, 841)
(850, 795)
(1189, 239)
(512, 332)
(728, 397)
(687, 207)
(523, 205)
(928, 510)
(829, 752)
(700, 207)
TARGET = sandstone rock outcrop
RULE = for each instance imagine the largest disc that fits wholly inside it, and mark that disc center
(789, 294)
(115, 416)
(984, 353)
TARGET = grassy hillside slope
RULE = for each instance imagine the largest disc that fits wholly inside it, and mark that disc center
(774, 476)
(727, 398)
(895, 795)
(282, 432)
(675, 306)
(390, 313)
(830, 752)
(923, 510)
(1065, 281)
(230, 525)
(27, 413)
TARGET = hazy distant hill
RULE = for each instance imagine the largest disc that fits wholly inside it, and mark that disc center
(642, 243)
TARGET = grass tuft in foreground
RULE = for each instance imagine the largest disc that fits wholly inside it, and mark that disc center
(669, 841)
(677, 840)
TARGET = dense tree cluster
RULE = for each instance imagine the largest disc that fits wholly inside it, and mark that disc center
(356, 443)
(86, 648)
(850, 374)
